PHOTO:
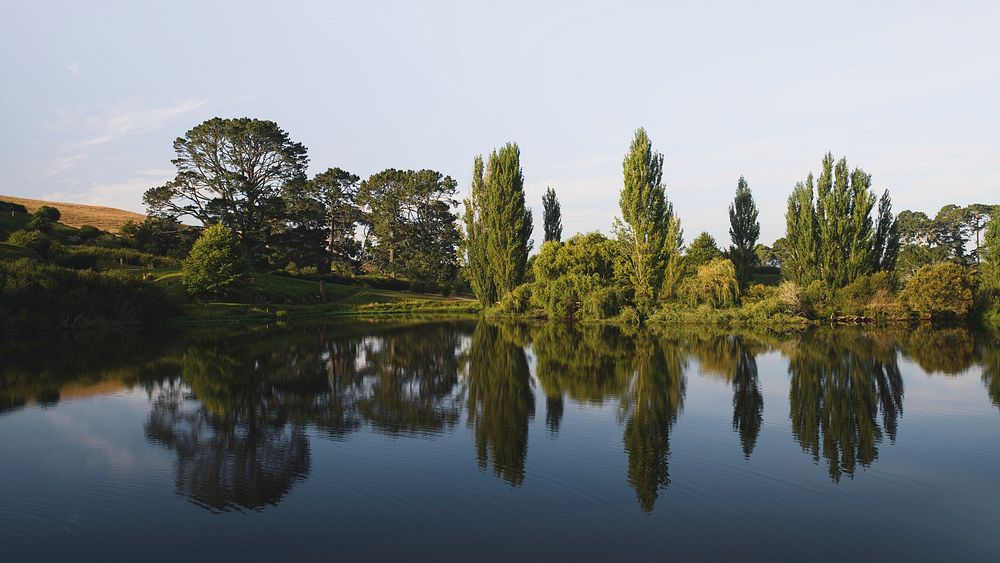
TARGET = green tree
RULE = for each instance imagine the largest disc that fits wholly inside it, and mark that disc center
(885, 247)
(714, 284)
(476, 265)
(552, 216)
(939, 289)
(701, 251)
(413, 232)
(566, 274)
(990, 268)
(744, 230)
(800, 252)
(834, 238)
(497, 226)
(231, 171)
(215, 264)
(323, 217)
(648, 232)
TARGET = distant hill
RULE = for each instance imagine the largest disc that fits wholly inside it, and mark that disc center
(77, 215)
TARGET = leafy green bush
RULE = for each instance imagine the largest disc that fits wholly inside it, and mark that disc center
(88, 232)
(943, 289)
(714, 284)
(516, 302)
(83, 257)
(602, 303)
(48, 212)
(215, 265)
(870, 295)
(34, 295)
(33, 240)
(565, 273)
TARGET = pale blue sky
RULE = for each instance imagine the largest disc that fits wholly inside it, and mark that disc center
(95, 92)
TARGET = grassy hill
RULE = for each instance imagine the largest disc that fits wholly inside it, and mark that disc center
(77, 215)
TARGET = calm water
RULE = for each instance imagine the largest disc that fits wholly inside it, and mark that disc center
(445, 441)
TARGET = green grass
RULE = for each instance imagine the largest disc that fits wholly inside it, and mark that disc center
(272, 298)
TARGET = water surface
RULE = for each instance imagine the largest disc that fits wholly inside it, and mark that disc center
(458, 440)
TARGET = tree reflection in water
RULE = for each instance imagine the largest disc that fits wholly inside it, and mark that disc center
(238, 409)
(501, 402)
(236, 447)
(841, 380)
(733, 358)
(652, 400)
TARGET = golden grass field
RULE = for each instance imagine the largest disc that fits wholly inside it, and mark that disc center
(77, 215)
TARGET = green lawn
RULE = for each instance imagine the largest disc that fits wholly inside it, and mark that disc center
(273, 298)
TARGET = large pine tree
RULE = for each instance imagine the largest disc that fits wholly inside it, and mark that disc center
(744, 230)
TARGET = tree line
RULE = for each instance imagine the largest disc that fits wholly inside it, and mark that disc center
(249, 176)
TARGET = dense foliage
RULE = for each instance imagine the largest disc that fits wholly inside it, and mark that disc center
(216, 264)
(497, 226)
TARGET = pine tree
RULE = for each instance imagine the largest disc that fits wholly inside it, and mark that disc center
(744, 230)
(648, 233)
(799, 262)
(552, 216)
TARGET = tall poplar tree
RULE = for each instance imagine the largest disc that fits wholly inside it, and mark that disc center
(498, 226)
(833, 238)
(648, 232)
(476, 264)
(552, 216)
(744, 230)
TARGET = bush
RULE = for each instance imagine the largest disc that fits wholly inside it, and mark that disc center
(870, 295)
(12, 208)
(82, 257)
(516, 302)
(943, 289)
(47, 212)
(35, 296)
(33, 240)
(602, 303)
(714, 284)
(88, 232)
(215, 265)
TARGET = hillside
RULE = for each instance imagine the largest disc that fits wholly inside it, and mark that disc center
(77, 215)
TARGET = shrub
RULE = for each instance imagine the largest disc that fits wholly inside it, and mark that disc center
(516, 302)
(943, 289)
(33, 240)
(215, 265)
(81, 257)
(714, 284)
(13, 208)
(34, 295)
(602, 303)
(88, 232)
(48, 212)
(869, 295)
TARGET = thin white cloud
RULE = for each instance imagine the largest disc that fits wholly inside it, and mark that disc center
(114, 123)
(75, 68)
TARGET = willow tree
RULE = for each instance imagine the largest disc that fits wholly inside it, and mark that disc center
(497, 226)
(551, 216)
(744, 230)
(990, 269)
(648, 232)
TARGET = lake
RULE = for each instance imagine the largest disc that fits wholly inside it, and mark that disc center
(473, 441)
